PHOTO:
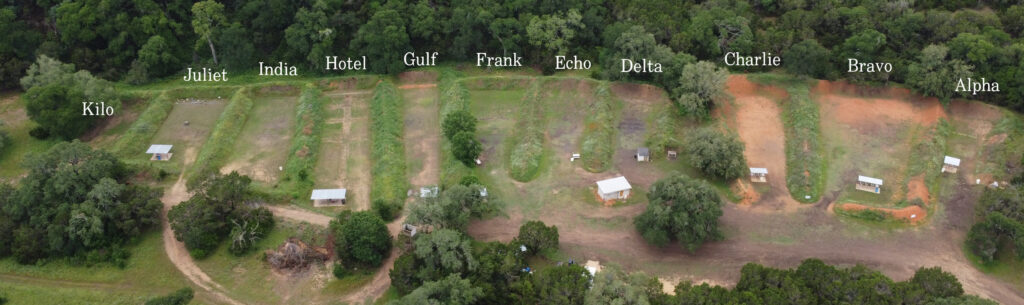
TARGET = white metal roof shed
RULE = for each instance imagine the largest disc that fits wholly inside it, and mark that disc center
(866, 179)
(159, 149)
(328, 194)
(613, 185)
(951, 161)
(758, 170)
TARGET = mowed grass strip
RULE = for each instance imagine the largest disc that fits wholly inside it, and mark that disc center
(526, 149)
(805, 166)
(222, 139)
(145, 127)
(387, 149)
(599, 133)
(309, 125)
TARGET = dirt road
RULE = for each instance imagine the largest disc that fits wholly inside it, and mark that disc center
(299, 215)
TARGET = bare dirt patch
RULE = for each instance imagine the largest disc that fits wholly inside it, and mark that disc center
(422, 135)
(344, 157)
(417, 77)
(854, 106)
(757, 118)
(916, 189)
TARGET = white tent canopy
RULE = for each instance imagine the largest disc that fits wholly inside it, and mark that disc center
(870, 180)
(328, 194)
(613, 185)
(758, 170)
(159, 149)
(951, 161)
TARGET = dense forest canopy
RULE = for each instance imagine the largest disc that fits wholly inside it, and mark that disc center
(141, 40)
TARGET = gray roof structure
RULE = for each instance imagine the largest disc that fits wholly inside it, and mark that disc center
(159, 149)
(328, 194)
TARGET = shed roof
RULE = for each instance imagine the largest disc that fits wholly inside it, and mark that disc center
(951, 161)
(643, 151)
(328, 194)
(612, 185)
(429, 191)
(758, 170)
(159, 149)
(867, 179)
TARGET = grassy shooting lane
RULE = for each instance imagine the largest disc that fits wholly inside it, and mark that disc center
(257, 151)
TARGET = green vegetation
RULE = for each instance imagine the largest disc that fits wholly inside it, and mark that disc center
(929, 154)
(1001, 214)
(302, 157)
(717, 155)
(222, 139)
(451, 290)
(361, 239)
(180, 297)
(54, 96)
(75, 203)
(453, 208)
(699, 84)
(453, 97)
(681, 209)
(600, 130)
(805, 165)
(459, 128)
(144, 128)
(526, 144)
(537, 237)
(387, 150)
(218, 211)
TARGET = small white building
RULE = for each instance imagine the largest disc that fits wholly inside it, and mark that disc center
(869, 184)
(643, 154)
(614, 188)
(950, 165)
(758, 174)
(160, 152)
(328, 197)
(429, 191)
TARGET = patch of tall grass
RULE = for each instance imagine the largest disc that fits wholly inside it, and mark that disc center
(805, 166)
(927, 155)
(302, 157)
(222, 139)
(599, 133)
(387, 150)
(454, 97)
(526, 145)
(132, 142)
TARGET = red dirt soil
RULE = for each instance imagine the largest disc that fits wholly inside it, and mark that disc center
(845, 103)
(917, 190)
(912, 214)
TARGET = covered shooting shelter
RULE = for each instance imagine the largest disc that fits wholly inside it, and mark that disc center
(869, 184)
(950, 165)
(160, 152)
(328, 197)
(758, 174)
(643, 154)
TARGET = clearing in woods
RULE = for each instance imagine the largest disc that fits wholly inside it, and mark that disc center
(756, 117)
(344, 159)
(261, 147)
(422, 128)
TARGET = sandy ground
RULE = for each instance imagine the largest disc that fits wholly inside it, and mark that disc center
(756, 117)
(262, 147)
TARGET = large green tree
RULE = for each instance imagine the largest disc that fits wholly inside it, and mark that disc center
(442, 252)
(361, 238)
(450, 290)
(718, 155)
(452, 209)
(807, 58)
(699, 84)
(207, 18)
(217, 211)
(537, 237)
(936, 74)
(682, 209)
(384, 40)
(311, 37)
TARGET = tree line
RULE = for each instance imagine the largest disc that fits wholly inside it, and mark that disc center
(928, 43)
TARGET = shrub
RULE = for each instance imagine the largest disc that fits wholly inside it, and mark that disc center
(538, 237)
(360, 238)
(469, 180)
(717, 155)
(181, 297)
(466, 148)
(458, 121)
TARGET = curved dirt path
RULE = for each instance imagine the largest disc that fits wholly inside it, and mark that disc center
(176, 251)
